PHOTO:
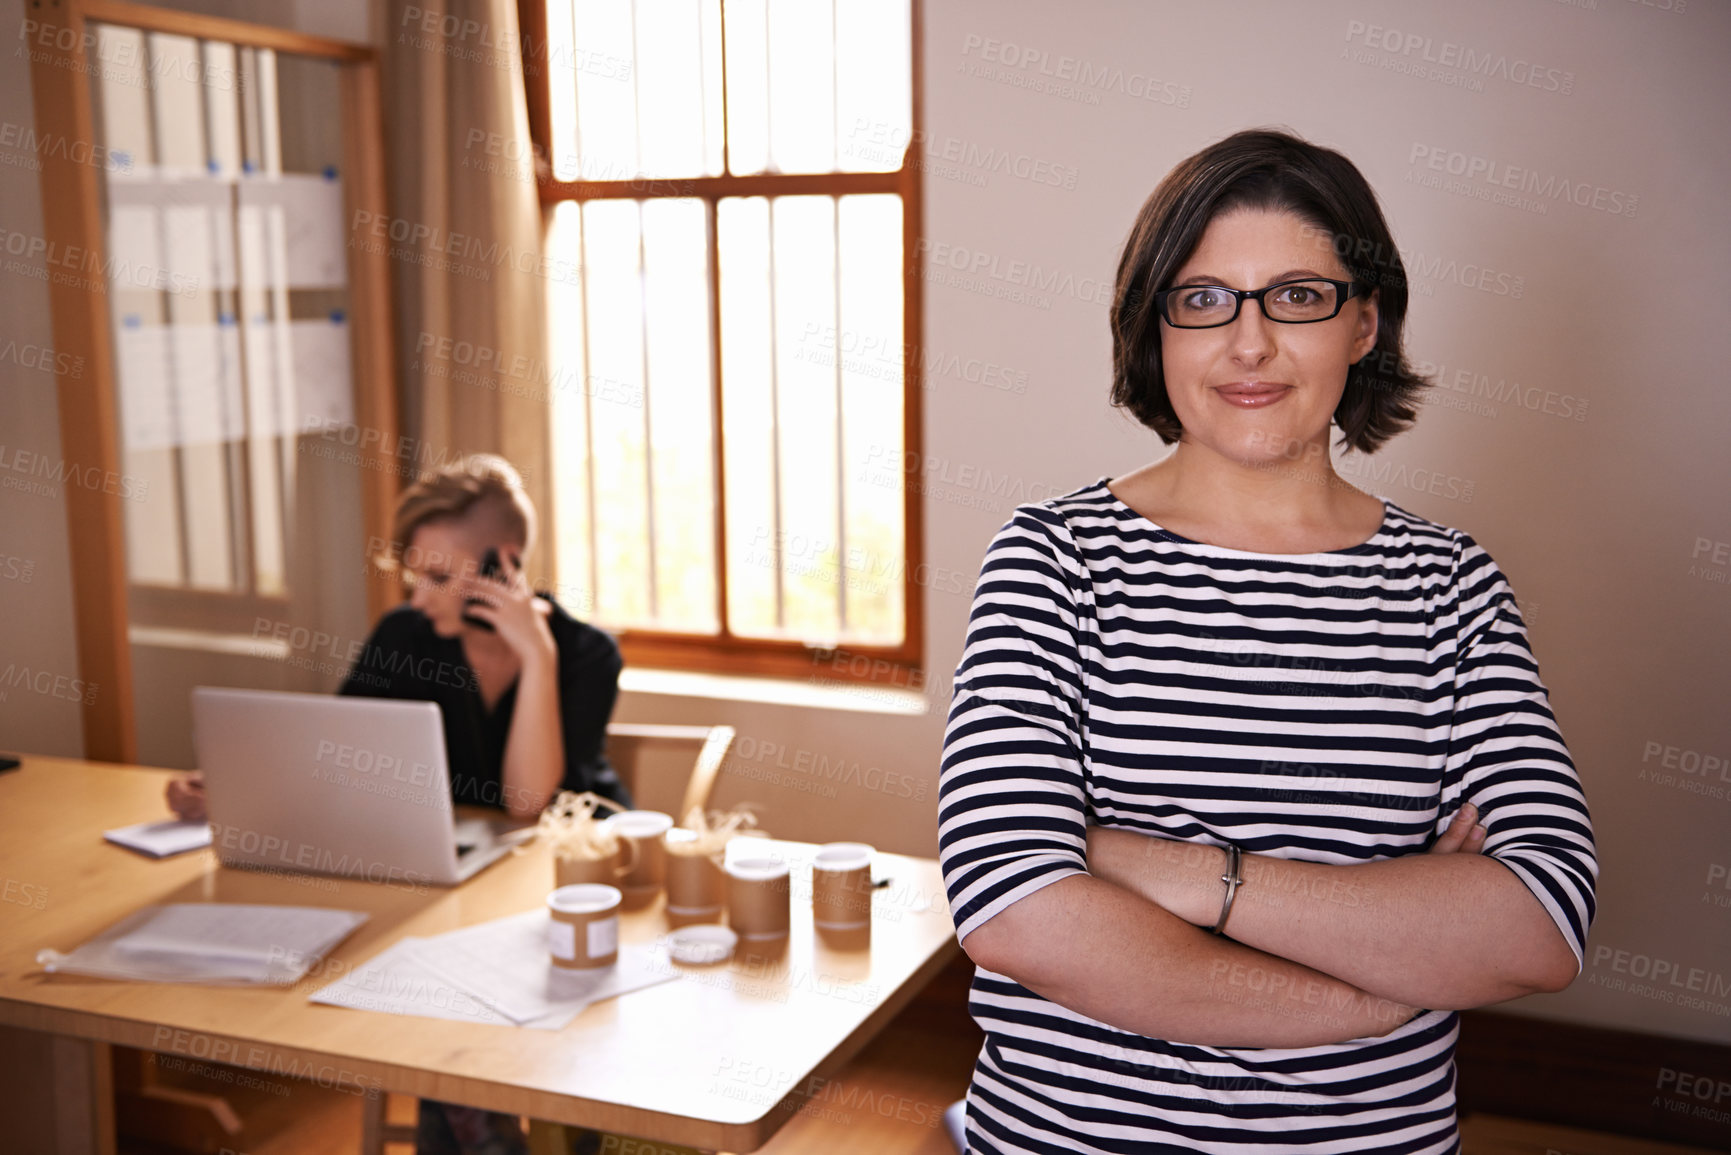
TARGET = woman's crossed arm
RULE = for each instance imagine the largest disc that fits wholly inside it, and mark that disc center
(1449, 930)
(1107, 953)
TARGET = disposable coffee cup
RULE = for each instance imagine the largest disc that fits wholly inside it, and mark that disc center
(841, 886)
(583, 926)
(643, 830)
(609, 870)
(696, 881)
(757, 898)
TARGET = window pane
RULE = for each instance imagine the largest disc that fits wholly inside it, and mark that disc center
(801, 87)
(633, 429)
(153, 528)
(681, 432)
(669, 81)
(714, 126)
(803, 254)
(614, 327)
(869, 346)
(814, 507)
(562, 96)
(199, 372)
(263, 287)
(747, 79)
(874, 84)
(634, 89)
(749, 416)
(601, 57)
(573, 560)
(267, 349)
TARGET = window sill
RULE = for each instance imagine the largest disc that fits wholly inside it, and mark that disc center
(860, 697)
(207, 641)
(813, 693)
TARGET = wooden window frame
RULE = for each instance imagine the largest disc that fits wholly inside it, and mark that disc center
(726, 652)
(89, 401)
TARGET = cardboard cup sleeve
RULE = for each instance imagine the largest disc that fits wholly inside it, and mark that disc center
(583, 926)
(757, 898)
(643, 830)
(696, 879)
(841, 886)
(607, 870)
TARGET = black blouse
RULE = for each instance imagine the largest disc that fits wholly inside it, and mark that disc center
(405, 659)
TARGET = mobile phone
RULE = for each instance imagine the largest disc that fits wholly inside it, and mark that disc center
(490, 568)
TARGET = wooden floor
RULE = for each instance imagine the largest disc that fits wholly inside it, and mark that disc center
(889, 1101)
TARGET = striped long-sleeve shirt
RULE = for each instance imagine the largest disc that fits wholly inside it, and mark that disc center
(1332, 707)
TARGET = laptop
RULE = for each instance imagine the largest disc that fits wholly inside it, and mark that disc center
(319, 784)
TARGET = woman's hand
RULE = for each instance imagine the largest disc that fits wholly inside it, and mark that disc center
(1184, 877)
(186, 796)
(1181, 877)
(1465, 834)
(515, 613)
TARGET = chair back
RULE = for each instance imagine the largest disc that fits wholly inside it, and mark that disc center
(638, 750)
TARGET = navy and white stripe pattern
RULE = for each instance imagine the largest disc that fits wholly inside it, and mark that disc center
(1332, 707)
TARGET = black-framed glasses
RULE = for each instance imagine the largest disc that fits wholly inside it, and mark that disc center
(1298, 302)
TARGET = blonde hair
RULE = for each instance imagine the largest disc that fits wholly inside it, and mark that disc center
(483, 481)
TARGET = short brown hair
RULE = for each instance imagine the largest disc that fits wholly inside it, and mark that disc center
(480, 480)
(1272, 171)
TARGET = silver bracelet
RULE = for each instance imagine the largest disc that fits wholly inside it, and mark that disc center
(1233, 880)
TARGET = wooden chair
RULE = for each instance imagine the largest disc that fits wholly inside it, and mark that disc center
(627, 743)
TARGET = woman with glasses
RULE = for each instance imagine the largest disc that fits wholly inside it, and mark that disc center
(1250, 782)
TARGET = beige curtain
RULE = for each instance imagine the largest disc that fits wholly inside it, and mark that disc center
(469, 294)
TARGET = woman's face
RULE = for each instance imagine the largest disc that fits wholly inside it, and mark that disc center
(441, 557)
(1251, 389)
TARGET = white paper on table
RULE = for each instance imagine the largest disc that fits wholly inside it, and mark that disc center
(395, 981)
(505, 964)
(161, 839)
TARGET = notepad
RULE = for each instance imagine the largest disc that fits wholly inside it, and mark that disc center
(161, 839)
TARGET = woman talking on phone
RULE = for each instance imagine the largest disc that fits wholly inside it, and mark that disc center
(1249, 781)
(524, 688)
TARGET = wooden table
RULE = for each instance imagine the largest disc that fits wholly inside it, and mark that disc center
(717, 1059)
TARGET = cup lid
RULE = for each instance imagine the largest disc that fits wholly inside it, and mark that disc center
(842, 856)
(701, 944)
(640, 823)
(584, 897)
(757, 868)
